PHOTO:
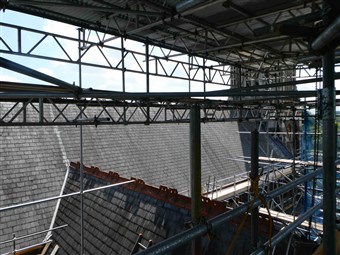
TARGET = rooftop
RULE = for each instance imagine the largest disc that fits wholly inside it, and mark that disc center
(115, 217)
(36, 157)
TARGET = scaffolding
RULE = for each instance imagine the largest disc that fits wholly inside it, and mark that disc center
(246, 93)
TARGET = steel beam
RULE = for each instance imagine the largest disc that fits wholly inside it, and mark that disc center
(293, 6)
(112, 9)
(112, 112)
(41, 110)
(245, 43)
(183, 6)
(5, 63)
(157, 24)
(110, 63)
(105, 94)
(329, 173)
(8, 86)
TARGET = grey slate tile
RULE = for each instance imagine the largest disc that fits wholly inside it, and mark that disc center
(109, 233)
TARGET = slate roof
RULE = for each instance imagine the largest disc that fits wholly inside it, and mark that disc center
(159, 154)
(32, 167)
(114, 217)
(33, 160)
(268, 144)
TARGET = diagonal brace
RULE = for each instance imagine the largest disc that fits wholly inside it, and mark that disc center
(5, 63)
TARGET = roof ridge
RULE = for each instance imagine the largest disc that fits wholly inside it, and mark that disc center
(210, 208)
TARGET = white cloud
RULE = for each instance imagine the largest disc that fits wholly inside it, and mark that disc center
(46, 71)
(60, 28)
(134, 46)
(162, 84)
(9, 78)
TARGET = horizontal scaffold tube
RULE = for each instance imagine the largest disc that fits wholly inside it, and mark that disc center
(184, 237)
(288, 229)
(155, 95)
(44, 200)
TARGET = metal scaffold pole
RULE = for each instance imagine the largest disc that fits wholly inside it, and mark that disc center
(147, 67)
(80, 30)
(195, 172)
(123, 73)
(329, 174)
(254, 185)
